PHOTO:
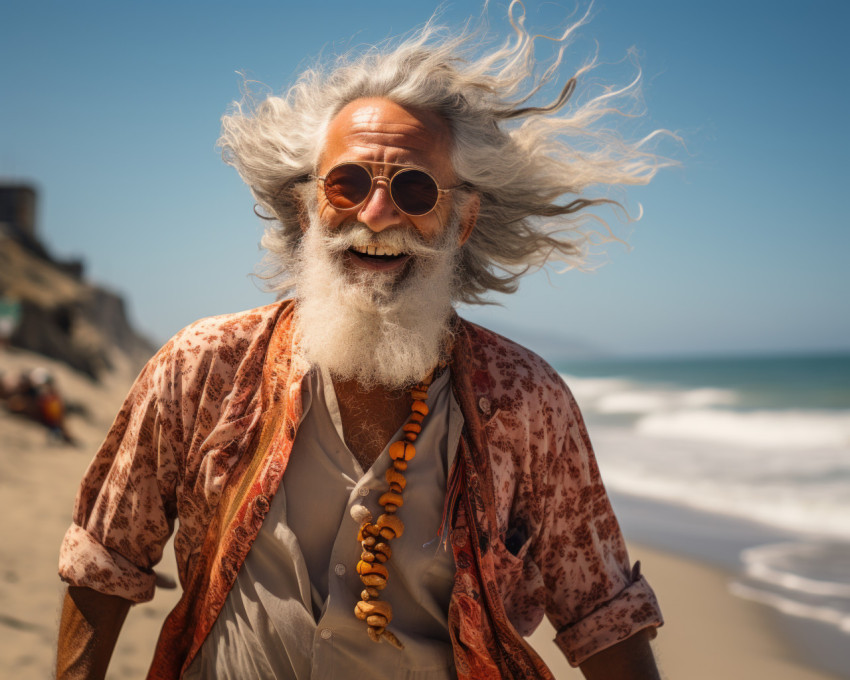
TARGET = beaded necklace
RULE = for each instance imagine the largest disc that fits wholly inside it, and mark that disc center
(375, 538)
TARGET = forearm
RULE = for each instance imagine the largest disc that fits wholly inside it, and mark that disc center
(631, 659)
(88, 631)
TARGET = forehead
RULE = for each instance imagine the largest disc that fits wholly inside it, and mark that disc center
(380, 131)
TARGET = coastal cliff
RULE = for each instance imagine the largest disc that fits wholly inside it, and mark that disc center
(47, 305)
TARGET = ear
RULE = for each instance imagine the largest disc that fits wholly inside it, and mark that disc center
(469, 218)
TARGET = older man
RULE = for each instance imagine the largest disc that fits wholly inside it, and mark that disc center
(358, 465)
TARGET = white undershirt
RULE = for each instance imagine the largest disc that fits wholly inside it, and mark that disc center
(290, 613)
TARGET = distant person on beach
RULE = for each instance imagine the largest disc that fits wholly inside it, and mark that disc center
(34, 394)
(364, 484)
(49, 405)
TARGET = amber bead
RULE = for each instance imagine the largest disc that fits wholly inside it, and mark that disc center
(391, 497)
(402, 450)
(391, 523)
(374, 580)
(395, 477)
(377, 620)
(372, 568)
(383, 549)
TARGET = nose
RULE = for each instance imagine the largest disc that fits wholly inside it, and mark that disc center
(379, 212)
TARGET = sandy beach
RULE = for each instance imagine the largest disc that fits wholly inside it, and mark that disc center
(709, 633)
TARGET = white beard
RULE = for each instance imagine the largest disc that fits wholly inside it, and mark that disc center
(376, 327)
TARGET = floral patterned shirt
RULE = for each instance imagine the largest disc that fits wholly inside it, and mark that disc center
(204, 437)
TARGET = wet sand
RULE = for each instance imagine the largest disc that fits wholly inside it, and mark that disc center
(708, 633)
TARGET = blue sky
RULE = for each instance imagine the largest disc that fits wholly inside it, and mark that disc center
(112, 110)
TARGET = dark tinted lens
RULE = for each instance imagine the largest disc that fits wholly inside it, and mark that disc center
(347, 185)
(414, 191)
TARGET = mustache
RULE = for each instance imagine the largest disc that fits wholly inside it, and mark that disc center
(401, 239)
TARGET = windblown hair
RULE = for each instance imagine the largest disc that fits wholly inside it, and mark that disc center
(530, 165)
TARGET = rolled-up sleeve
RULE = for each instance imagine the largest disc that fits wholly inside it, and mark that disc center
(124, 511)
(594, 597)
(632, 609)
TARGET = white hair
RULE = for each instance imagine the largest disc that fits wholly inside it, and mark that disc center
(530, 165)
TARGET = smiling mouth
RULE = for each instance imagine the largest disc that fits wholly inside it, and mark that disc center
(376, 251)
(378, 256)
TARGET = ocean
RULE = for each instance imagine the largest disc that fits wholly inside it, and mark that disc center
(762, 440)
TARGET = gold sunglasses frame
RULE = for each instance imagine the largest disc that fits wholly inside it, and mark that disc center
(389, 181)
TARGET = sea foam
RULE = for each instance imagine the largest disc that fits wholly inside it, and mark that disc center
(803, 579)
(754, 429)
(689, 445)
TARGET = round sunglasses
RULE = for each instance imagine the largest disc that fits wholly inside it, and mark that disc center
(413, 191)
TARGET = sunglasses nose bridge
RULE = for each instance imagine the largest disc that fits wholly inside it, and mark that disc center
(380, 182)
(378, 210)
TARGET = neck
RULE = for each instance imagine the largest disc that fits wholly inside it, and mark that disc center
(370, 415)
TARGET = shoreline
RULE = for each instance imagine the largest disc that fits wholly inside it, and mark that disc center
(695, 539)
(708, 632)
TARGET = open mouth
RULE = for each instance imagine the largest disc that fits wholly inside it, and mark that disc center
(378, 257)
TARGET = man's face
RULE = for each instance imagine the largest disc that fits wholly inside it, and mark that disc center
(384, 136)
(380, 320)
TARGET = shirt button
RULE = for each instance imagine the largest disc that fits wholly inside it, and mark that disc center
(484, 405)
(326, 633)
(339, 570)
(363, 491)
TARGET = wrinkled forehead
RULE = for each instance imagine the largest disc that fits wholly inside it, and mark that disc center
(380, 131)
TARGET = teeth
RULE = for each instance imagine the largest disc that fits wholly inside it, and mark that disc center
(376, 250)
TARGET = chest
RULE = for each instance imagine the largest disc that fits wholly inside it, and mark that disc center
(370, 419)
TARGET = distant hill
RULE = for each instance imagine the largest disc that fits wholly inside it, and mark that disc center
(554, 346)
(55, 311)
